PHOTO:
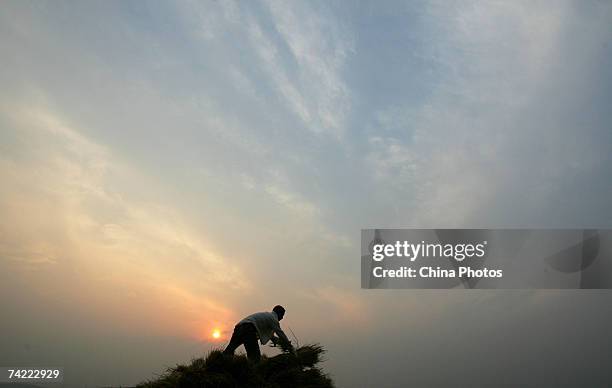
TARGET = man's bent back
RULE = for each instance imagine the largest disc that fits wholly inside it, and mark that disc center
(259, 325)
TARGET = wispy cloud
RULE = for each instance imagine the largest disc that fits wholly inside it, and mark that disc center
(70, 203)
(300, 50)
(182, 164)
(319, 46)
(490, 129)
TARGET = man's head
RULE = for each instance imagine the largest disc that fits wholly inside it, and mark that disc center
(280, 311)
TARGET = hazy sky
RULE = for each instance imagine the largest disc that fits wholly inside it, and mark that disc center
(167, 168)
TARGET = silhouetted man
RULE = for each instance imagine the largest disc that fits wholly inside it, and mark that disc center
(259, 325)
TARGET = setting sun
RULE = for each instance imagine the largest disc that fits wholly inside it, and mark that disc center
(216, 334)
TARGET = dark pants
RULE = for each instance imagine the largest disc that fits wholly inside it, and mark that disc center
(244, 333)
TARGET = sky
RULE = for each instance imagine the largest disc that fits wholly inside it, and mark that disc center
(167, 168)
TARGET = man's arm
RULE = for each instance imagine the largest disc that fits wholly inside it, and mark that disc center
(282, 337)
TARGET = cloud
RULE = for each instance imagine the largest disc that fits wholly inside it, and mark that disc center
(72, 209)
(178, 165)
(296, 56)
(292, 201)
(320, 47)
(491, 131)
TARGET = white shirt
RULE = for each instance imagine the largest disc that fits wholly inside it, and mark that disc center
(266, 324)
